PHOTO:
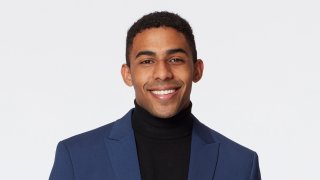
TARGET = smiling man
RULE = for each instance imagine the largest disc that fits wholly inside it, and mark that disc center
(159, 139)
(161, 68)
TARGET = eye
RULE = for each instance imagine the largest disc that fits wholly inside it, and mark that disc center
(147, 61)
(176, 60)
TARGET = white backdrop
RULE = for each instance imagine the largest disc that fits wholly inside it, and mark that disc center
(60, 75)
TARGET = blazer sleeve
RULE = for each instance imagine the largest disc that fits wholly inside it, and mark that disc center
(255, 170)
(62, 168)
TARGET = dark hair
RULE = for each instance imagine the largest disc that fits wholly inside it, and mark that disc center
(159, 19)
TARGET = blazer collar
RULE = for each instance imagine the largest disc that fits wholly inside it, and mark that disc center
(121, 147)
(204, 152)
(122, 151)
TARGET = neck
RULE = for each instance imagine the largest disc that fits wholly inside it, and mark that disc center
(177, 126)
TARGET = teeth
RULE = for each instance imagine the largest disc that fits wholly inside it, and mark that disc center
(163, 92)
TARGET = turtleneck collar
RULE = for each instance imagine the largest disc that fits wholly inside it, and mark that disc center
(177, 126)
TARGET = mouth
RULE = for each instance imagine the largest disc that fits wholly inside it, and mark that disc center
(164, 94)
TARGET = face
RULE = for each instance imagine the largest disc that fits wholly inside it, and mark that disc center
(161, 71)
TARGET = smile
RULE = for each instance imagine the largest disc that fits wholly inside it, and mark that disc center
(163, 92)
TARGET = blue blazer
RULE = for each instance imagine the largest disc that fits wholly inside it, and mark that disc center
(109, 153)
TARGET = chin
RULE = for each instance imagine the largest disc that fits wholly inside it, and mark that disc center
(164, 113)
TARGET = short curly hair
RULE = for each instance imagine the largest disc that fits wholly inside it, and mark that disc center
(161, 19)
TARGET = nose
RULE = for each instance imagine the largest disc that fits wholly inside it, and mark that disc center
(162, 71)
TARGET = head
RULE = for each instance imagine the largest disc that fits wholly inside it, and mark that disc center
(161, 19)
(161, 63)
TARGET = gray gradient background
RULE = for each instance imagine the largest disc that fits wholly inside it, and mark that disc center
(60, 75)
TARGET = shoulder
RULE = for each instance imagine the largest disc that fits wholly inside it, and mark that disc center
(95, 137)
(234, 160)
(83, 154)
(227, 143)
(88, 139)
(228, 148)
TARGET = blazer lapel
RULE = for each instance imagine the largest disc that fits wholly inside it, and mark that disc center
(204, 153)
(122, 150)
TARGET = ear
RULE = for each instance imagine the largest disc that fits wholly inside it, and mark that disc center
(198, 70)
(126, 74)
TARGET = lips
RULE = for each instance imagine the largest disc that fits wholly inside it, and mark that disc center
(164, 94)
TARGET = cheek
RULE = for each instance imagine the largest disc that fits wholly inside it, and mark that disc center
(187, 80)
(185, 75)
(139, 79)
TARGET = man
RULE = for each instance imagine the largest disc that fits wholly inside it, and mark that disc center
(159, 139)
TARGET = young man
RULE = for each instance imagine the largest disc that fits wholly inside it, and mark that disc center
(159, 139)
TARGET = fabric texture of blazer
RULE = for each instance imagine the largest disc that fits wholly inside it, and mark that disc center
(109, 153)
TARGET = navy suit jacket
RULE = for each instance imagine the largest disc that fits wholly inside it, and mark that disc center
(109, 153)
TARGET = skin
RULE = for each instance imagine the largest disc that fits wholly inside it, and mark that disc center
(161, 59)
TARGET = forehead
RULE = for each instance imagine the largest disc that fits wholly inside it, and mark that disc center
(159, 39)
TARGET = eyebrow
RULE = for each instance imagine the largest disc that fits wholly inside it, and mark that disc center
(148, 53)
(168, 52)
(177, 50)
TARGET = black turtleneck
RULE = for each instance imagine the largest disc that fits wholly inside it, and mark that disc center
(163, 144)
